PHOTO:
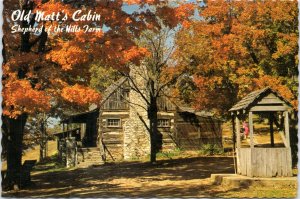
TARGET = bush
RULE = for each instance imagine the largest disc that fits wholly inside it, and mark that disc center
(211, 149)
(169, 154)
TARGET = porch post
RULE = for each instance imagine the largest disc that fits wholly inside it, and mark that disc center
(237, 132)
(238, 142)
(251, 129)
(287, 128)
(288, 147)
(271, 120)
(233, 131)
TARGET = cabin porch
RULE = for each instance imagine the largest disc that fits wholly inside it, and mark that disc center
(77, 144)
(83, 126)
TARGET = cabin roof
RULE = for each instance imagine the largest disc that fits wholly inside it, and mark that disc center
(191, 110)
(67, 133)
(112, 88)
(254, 97)
(80, 117)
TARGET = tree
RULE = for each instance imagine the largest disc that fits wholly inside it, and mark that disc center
(239, 46)
(154, 70)
(43, 70)
(41, 129)
(151, 79)
(102, 77)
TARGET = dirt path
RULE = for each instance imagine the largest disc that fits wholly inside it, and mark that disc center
(189, 177)
(171, 178)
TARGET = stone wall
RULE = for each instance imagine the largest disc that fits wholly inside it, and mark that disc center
(136, 136)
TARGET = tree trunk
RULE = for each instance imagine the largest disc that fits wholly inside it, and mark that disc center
(43, 150)
(43, 141)
(152, 116)
(15, 131)
(14, 127)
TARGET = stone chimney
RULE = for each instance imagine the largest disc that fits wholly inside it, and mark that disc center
(136, 136)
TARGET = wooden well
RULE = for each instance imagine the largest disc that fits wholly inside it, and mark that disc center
(263, 161)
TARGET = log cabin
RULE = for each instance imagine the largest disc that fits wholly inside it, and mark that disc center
(119, 126)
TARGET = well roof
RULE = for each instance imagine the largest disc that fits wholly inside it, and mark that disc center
(252, 98)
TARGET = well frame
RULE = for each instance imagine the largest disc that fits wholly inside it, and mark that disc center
(265, 161)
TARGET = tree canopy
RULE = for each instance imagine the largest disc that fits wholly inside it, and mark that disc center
(239, 46)
(40, 70)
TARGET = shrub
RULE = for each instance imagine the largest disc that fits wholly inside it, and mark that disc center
(169, 154)
(211, 149)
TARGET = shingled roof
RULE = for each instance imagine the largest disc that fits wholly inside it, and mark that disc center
(80, 117)
(249, 100)
(194, 111)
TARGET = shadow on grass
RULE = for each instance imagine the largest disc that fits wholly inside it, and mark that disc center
(50, 164)
(168, 178)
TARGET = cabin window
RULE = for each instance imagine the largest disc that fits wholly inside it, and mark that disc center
(163, 123)
(113, 122)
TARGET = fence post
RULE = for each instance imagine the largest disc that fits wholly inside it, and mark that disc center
(71, 152)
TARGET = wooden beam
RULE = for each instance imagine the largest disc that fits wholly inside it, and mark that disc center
(271, 119)
(271, 101)
(287, 127)
(233, 132)
(251, 129)
(238, 132)
(269, 108)
(283, 138)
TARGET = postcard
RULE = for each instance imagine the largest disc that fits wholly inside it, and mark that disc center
(150, 98)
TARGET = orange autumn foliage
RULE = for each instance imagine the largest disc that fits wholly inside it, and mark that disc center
(131, 2)
(180, 14)
(277, 84)
(67, 54)
(80, 95)
(55, 65)
(134, 53)
(19, 97)
(238, 47)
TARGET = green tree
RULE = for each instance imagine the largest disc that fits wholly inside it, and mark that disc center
(102, 76)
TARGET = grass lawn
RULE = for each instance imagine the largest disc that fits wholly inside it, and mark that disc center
(261, 192)
(34, 154)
